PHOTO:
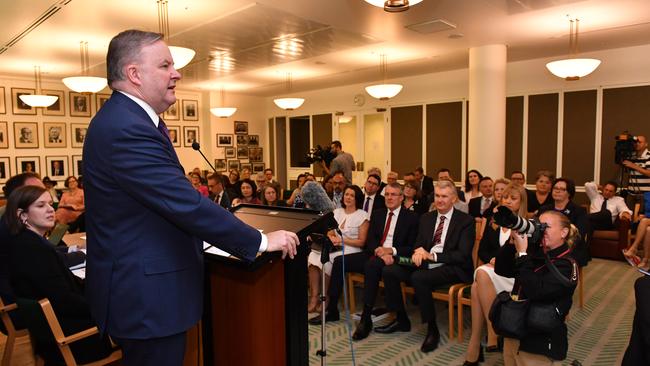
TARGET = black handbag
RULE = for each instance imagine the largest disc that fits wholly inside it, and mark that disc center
(543, 317)
(508, 316)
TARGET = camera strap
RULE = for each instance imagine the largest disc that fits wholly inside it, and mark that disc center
(548, 262)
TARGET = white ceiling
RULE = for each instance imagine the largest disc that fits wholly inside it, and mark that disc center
(249, 46)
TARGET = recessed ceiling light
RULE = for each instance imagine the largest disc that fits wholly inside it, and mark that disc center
(456, 36)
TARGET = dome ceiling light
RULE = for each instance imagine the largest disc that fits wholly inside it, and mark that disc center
(393, 6)
(573, 68)
(383, 91)
(38, 99)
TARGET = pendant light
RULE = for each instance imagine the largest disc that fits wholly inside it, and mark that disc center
(383, 91)
(38, 99)
(181, 55)
(289, 104)
(223, 112)
(573, 68)
(85, 83)
(393, 6)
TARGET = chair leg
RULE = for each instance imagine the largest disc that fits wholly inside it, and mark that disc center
(9, 349)
(580, 290)
(451, 316)
(353, 300)
(460, 316)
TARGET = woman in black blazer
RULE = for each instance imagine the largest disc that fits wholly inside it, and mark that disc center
(36, 271)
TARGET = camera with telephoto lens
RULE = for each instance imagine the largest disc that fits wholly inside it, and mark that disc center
(625, 147)
(531, 227)
(318, 154)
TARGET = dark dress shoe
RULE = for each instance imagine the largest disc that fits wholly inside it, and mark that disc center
(362, 331)
(430, 342)
(329, 317)
(393, 327)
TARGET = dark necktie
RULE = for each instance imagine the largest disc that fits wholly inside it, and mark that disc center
(437, 236)
(217, 198)
(162, 127)
(365, 207)
(386, 229)
(604, 206)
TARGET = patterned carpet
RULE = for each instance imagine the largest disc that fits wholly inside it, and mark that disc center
(598, 333)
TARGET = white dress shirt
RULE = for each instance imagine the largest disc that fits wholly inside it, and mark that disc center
(616, 205)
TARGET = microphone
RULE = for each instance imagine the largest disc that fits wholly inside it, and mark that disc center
(197, 147)
(316, 198)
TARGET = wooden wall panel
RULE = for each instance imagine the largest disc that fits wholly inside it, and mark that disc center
(578, 136)
(514, 134)
(406, 138)
(271, 149)
(299, 140)
(321, 125)
(444, 138)
(542, 133)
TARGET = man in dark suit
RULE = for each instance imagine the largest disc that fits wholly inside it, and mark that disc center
(372, 200)
(145, 222)
(425, 181)
(480, 207)
(443, 256)
(217, 194)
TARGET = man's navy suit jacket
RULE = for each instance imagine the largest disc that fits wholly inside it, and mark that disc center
(144, 275)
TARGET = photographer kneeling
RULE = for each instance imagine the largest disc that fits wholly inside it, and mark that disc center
(538, 283)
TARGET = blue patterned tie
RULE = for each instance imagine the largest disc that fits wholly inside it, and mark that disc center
(162, 127)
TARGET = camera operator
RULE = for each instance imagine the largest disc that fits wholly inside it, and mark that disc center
(639, 165)
(343, 161)
(535, 282)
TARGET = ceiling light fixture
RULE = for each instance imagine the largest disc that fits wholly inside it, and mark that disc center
(383, 91)
(221, 111)
(393, 6)
(289, 104)
(181, 55)
(38, 99)
(573, 68)
(342, 118)
(85, 83)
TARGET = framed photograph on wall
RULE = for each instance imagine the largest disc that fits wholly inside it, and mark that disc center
(174, 135)
(4, 137)
(258, 167)
(5, 170)
(224, 139)
(78, 134)
(190, 134)
(220, 165)
(172, 113)
(253, 140)
(17, 105)
(26, 164)
(77, 165)
(56, 167)
(58, 108)
(242, 140)
(255, 155)
(79, 104)
(247, 166)
(54, 134)
(241, 128)
(3, 106)
(100, 99)
(26, 135)
(190, 110)
(242, 152)
(234, 164)
(231, 153)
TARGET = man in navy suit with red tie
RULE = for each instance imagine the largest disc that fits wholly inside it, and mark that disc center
(145, 222)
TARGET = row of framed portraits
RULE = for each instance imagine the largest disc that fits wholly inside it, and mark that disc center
(55, 135)
(224, 165)
(56, 167)
(187, 108)
(253, 154)
(79, 105)
(224, 139)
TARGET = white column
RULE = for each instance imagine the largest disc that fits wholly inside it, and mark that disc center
(487, 110)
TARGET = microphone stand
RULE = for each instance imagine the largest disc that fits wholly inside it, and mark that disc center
(196, 146)
(324, 258)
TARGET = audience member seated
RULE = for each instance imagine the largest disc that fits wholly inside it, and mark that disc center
(270, 194)
(328, 186)
(498, 188)
(372, 200)
(353, 223)
(482, 206)
(71, 205)
(36, 271)
(247, 194)
(196, 183)
(232, 184)
(217, 193)
(268, 173)
(518, 177)
(424, 181)
(472, 179)
(563, 191)
(642, 235)
(392, 233)
(49, 185)
(296, 199)
(445, 174)
(392, 177)
(260, 181)
(338, 184)
(410, 177)
(487, 284)
(445, 260)
(542, 194)
(606, 207)
(412, 199)
(376, 171)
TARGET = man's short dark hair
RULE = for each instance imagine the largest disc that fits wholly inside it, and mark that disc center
(419, 170)
(217, 178)
(337, 144)
(125, 48)
(378, 178)
(17, 181)
(517, 172)
(484, 178)
(268, 170)
(613, 184)
(444, 170)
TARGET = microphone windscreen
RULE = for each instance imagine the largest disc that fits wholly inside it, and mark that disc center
(316, 198)
(195, 145)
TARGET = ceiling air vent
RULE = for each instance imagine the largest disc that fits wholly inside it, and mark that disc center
(431, 26)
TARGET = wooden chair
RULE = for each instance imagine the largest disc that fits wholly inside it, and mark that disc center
(12, 332)
(465, 292)
(42, 312)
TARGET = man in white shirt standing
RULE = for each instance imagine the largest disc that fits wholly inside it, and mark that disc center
(605, 207)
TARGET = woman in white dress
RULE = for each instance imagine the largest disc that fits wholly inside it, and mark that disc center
(488, 284)
(353, 223)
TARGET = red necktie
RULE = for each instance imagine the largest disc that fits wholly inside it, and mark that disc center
(386, 228)
(438, 234)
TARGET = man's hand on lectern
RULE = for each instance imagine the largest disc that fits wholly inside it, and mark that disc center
(284, 241)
